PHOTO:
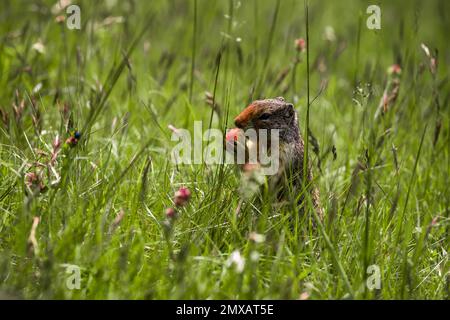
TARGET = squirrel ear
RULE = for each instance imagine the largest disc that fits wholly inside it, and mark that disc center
(289, 110)
(280, 98)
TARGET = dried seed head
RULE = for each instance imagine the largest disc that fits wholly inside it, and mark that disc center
(60, 19)
(395, 69)
(56, 143)
(171, 213)
(300, 45)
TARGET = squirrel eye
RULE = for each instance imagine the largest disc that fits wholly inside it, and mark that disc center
(264, 116)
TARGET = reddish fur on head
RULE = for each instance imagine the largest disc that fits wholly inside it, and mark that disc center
(273, 113)
(242, 120)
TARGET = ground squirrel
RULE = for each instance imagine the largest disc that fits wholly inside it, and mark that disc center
(278, 114)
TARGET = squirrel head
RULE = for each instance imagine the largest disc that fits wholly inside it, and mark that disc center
(269, 114)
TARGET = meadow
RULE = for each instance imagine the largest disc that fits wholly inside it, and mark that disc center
(86, 177)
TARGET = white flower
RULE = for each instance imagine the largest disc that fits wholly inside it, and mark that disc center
(254, 256)
(329, 34)
(236, 259)
(257, 237)
(39, 47)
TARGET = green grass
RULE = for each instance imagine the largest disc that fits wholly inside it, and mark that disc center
(384, 179)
